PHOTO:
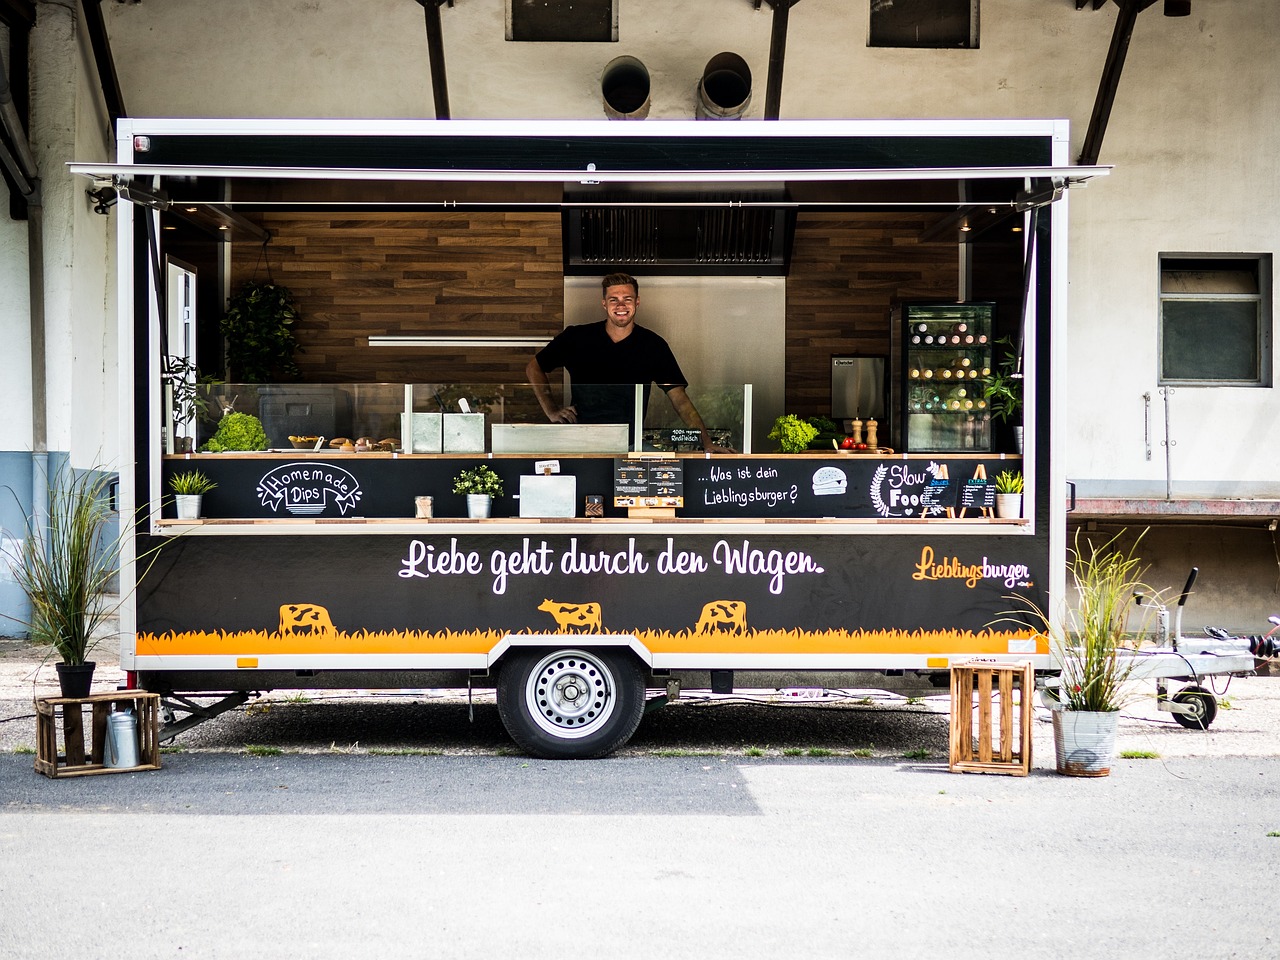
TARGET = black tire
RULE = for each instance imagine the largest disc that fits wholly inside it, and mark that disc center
(1204, 704)
(571, 704)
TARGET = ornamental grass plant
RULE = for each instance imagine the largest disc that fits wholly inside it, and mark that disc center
(1095, 639)
(191, 483)
(66, 568)
(1009, 481)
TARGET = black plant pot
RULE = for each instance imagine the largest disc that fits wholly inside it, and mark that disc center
(75, 678)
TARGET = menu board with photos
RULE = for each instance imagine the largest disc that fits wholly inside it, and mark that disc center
(644, 482)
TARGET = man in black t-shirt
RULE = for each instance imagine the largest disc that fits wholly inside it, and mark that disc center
(605, 361)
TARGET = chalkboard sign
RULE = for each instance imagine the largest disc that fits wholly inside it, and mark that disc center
(648, 483)
(939, 494)
(977, 493)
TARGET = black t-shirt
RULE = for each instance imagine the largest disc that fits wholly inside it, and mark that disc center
(604, 373)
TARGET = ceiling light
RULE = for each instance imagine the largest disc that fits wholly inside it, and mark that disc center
(1016, 228)
(191, 209)
(965, 228)
(1177, 8)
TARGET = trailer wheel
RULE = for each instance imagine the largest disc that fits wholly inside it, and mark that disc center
(1204, 708)
(571, 704)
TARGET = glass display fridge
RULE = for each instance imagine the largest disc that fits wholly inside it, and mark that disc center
(946, 357)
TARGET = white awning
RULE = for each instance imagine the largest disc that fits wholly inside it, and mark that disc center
(117, 173)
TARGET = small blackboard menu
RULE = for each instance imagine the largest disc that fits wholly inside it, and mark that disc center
(977, 493)
(648, 483)
(938, 495)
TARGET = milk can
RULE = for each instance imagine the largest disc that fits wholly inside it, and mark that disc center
(121, 747)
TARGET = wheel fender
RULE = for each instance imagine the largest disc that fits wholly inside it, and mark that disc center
(584, 640)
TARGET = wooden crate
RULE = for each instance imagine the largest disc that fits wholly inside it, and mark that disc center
(74, 762)
(1005, 748)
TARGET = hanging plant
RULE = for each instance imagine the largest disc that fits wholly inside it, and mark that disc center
(259, 329)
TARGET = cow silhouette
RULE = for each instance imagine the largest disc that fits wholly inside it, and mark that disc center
(573, 616)
(718, 613)
(304, 618)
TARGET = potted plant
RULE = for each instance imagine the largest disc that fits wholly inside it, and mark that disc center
(1094, 643)
(188, 397)
(65, 566)
(189, 488)
(1009, 494)
(480, 485)
(258, 326)
(1002, 389)
(792, 433)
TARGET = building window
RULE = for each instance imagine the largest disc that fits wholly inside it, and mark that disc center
(1215, 320)
(563, 21)
(932, 24)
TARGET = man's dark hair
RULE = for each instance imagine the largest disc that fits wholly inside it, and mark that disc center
(618, 280)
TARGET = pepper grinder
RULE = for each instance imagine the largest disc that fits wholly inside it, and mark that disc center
(871, 434)
(855, 427)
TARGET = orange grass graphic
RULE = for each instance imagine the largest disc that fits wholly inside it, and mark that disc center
(249, 643)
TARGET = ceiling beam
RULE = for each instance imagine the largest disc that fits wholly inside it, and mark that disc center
(18, 13)
(19, 16)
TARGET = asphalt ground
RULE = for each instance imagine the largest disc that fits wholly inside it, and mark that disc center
(860, 724)
(361, 826)
(360, 857)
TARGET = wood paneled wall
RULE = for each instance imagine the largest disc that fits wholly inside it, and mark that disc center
(494, 274)
(848, 269)
(440, 274)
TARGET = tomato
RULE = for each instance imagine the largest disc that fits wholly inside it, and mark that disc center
(847, 443)
(861, 446)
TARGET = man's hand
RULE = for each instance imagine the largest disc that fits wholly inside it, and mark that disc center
(689, 414)
(542, 390)
(716, 448)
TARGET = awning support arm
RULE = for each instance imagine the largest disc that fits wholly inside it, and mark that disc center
(435, 55)
(1110, 82)
(106, 64)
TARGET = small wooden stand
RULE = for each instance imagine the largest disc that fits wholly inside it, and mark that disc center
(74, 763)
(1004, 756)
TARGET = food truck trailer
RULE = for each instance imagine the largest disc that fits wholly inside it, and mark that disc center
(624, 562)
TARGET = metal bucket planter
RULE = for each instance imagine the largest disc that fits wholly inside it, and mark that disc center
(188, 505)
(479, 505)
(1009, 505)
(1084, 742)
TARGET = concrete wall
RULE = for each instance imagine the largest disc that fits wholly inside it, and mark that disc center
(1192, 136)
(67, 122)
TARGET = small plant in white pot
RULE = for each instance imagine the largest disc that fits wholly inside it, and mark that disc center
(1009, 494)
(189, 488)
(480, 485)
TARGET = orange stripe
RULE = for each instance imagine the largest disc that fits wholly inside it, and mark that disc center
(263, 643)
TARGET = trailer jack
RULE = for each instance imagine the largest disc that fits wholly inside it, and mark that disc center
(196, 713)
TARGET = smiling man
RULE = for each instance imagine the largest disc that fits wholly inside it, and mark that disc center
(606, 359)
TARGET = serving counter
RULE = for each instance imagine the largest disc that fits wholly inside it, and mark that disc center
(331, 487)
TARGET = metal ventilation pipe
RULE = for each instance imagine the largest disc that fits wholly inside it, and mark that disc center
(624, 85)
(724, 92)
